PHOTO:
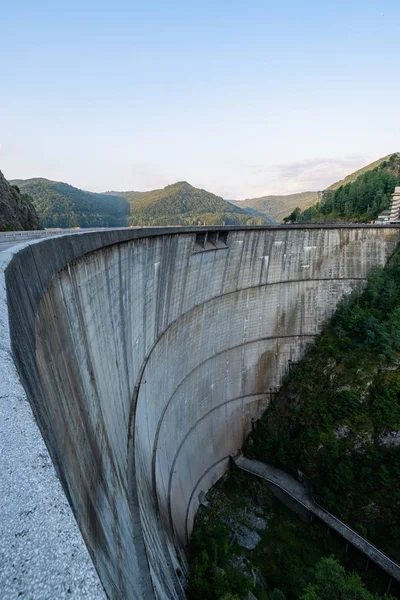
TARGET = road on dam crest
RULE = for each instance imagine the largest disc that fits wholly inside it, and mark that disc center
(144, 356)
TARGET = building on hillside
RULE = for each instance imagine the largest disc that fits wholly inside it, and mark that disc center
(395, 207)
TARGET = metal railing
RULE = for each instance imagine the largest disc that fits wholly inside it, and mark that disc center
(372, 552)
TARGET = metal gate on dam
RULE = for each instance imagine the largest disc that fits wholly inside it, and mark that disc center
(145, 354)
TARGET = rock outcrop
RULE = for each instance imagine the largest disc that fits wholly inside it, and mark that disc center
(16, 210)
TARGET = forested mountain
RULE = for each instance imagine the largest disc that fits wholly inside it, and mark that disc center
(360, 197)
(183, 204)
(353, 176)
(277, 207)
(16, 209)
(61, 205)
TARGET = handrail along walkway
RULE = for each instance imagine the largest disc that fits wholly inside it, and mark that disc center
(298, 492)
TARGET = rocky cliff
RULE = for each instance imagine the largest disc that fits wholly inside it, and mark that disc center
(16, 210)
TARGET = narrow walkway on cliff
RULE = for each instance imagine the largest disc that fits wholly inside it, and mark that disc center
(298, 492)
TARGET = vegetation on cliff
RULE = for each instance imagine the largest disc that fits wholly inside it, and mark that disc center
(337, 417)
(16, 209)
(360, 199)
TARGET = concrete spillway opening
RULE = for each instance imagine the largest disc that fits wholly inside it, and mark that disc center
(146, 355)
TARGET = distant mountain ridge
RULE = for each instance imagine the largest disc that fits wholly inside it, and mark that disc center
(278, 206)
(62, 205)
(16, 210)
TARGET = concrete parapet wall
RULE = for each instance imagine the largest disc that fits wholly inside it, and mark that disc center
(146, 361)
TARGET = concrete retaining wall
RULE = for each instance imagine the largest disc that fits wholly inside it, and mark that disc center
(145, 362)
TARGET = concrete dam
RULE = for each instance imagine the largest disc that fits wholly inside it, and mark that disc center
(145, 355)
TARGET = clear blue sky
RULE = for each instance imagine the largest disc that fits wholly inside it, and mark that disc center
(242, 98)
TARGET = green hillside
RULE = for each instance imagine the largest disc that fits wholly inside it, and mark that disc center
(277, 207)
(183, 204)
(360, 197)
(61, 205)
(353, 176)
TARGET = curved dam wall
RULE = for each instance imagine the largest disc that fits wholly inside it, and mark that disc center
(146, 356)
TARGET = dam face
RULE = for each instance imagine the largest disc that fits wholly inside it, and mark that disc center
(147, 354)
